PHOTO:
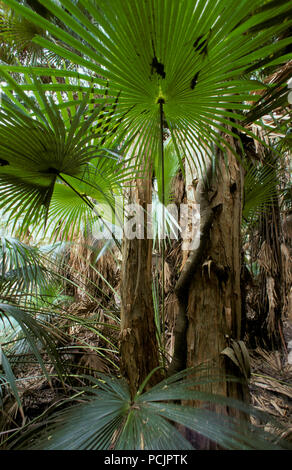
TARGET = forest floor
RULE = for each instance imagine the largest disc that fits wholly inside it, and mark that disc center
(271, 383)
(270, 389)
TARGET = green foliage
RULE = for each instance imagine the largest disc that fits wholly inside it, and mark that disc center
(200, 81)
(37, 331)
(260, 189)
(17, 34)
(42, 149)
(110, 420)
(190, 58)
(23, 276)
(9, 378)
(61, 133)
(21, 267)
(170, 170)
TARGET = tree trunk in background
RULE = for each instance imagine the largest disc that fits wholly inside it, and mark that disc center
(138, 343)
(268, 325)
(269, 322)
(269, 299)
(214, 297)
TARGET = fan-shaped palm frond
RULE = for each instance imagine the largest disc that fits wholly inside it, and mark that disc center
(34, 327)
(181, 58)
(18, 33)
(260, 189)
(54, 146)
(22, 268)
(276, 96)
(110, 420)
(70, 211)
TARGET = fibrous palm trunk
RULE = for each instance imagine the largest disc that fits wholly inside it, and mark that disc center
(208, 289)
(214, 300)
(269, 331)
(138, 343)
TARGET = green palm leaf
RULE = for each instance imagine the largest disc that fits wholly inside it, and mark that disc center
(9, 378)
(110, 420)
(21, 267)
(189, 57)
(37, 332)
(40, 151)
(260, 188)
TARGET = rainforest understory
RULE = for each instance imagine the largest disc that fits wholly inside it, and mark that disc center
(145, 225)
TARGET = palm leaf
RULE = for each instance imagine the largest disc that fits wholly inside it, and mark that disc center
(38, 334)
(189, 57)
(9, 378)
(110, 420)
(22, 268)
(260, 188)
(38, 151)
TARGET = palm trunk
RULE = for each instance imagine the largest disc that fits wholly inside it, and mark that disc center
(214, 299)
(138, 345)
(208, 289)
(269, 328)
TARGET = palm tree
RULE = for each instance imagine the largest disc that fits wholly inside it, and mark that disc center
(187, 68)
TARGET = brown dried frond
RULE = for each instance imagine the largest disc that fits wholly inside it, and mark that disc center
(91, 274)
(272, 297)
(282, 74)
(267, 260)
